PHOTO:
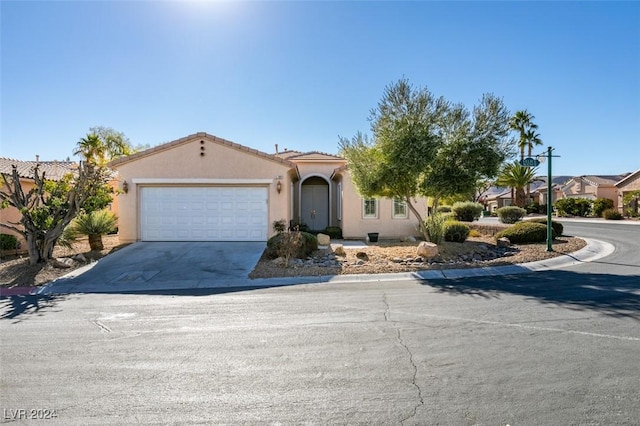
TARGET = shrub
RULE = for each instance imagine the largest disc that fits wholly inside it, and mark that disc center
(573, 206)
(94, 225)
(435, 227)
(557, 226)
(467, 211)
(279, 226)
(456, 232)
(525, 232)
(600, 205)
(290, 244)
(534, 208)
(474, 233)
(612, 214)
(443, 209)
(8, 242)
(511, 214)
(334, 232)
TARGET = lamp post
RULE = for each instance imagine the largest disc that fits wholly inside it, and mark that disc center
(548, 157)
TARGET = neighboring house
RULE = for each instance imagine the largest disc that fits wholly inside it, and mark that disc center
(627, 185)
(539, 189)
(53, 170)
(496, 197)
(202, 187)
(592, 187)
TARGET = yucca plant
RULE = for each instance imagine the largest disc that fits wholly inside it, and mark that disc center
(94, 225)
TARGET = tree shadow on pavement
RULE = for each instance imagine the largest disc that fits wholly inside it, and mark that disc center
(16, 307)
(613, 295)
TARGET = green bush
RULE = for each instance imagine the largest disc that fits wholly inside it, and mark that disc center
(467, 211)
(511, 214)
(8, 242)
(600, 205)
(295, 243)
(535, 208)
(557, 226)
(279, 226)
(573, 206)
(443, 209)
(435, 227)
(612, 214)
(525, 232)
(456, 232)
(334, 232)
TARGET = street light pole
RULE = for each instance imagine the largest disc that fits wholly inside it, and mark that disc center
(549, 203)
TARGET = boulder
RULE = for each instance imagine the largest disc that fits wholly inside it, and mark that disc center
(362, 255)
(427, 250)
(503, 242)
(323, 239)
(338, 249)
(411, 239)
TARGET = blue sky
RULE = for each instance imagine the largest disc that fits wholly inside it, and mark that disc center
(300, 74)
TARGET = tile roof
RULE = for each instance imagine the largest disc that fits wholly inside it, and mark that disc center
(315, 155)
(53, 170)
(604, 179)
(190, 138)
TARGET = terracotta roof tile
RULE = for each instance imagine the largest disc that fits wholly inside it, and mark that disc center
(53, 170)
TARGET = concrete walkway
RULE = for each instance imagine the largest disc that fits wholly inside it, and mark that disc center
(121, 272)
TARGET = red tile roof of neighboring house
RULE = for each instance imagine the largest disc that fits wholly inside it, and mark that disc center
(53, 170)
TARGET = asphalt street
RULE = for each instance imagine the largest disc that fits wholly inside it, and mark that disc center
(548, 348)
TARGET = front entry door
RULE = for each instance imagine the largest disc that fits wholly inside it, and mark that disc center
(314, 210)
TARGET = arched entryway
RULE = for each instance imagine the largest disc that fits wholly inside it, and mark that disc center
(314, 203)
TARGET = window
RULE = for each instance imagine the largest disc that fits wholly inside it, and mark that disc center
(370, 208)
(399, 209)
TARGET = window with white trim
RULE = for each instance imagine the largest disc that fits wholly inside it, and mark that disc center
(370, 208)
(399, 209)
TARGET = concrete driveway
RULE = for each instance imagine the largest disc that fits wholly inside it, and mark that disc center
(146, 266)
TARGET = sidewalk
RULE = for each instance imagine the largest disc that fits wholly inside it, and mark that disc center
(594, 250)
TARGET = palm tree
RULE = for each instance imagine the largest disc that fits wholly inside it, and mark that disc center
(92, 149)
(102, 145)
(517, 177)
(94, 225)
(522, 122)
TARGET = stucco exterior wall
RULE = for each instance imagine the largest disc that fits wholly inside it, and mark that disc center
(11, 215)
(355, 226)
(325, 171)
(183, 165)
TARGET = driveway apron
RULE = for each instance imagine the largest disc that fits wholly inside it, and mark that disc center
(147, 266)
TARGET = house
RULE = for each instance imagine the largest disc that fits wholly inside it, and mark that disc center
(202, 187)
(592, 187)
(539, 188)
(629, 187)
(53, 170)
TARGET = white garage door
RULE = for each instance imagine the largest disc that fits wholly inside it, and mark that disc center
(203, 213)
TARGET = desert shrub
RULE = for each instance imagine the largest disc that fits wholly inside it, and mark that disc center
(600, 205)
(290, 244)
(8, 242)
(525, 232)
(279, 226)
(612, 214)
(533, 208)
(334, 232)
(94, 225)
(467, 211)
(573, 206)
(456, 232)
(511, 214)
(474, 233)
(443, 209)
(557, 226)
(435, 227)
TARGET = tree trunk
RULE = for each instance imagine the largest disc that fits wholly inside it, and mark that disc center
(421, 227)
(520, 197)
(95, 242)
(32, 248)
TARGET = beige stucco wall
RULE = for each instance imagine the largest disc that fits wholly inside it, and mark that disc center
(11, 215)
(184, 161)
(355, 226)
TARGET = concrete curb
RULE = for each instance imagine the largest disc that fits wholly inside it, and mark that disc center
(595, 249)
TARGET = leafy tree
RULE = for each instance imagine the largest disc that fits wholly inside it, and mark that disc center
(516, 176)
(424, 145)
(50, 205)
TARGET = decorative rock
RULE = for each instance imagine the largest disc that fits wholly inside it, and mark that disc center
(418, 259)
(362, 255)
(323, 240)
(278, 261)
(427, 250)
(359, 262)
(411, 239)
(397, 260)
(80, 258)
(338, 249)
(503, 242)
(63, 263)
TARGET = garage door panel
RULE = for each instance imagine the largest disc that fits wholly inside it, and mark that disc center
(203, 213)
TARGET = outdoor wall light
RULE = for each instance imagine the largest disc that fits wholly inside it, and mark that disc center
(125, 187)
(279, 186)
